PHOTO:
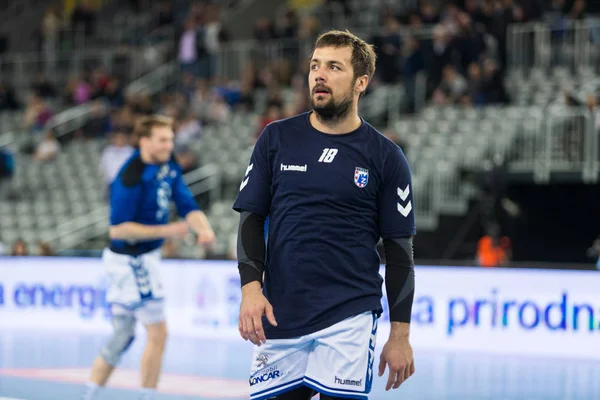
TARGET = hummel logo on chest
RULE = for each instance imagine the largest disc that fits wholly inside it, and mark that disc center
(299, 168)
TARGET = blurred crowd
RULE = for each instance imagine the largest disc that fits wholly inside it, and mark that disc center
(458, 47)
(20, 249)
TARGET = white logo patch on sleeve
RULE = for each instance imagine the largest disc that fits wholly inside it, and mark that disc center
(407, 208)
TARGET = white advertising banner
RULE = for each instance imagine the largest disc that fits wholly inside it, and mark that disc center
(508, 311)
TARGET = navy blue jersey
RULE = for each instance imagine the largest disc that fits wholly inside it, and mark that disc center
(329, 199)
(142, 193)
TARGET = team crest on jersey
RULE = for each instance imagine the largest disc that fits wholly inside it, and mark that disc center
(361, 177)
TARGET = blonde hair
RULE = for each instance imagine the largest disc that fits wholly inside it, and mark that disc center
(144, 125)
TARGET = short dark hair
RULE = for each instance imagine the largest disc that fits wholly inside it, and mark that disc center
(143, 127)
(363, 55)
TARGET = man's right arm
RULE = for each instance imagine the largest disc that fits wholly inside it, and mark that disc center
(254, 203)
(136, 231)
(251, 248)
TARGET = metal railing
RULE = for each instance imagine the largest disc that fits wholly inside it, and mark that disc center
(556, 139)
(68, 121)
(570, 141)
(524, 142)
(205, 179)
(94, 224)
(538, 141)
(20, 69)
(570, 44)
(155, 81)
(383, 104)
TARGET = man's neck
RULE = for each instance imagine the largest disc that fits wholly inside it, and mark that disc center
(146, 159)
(349, 124)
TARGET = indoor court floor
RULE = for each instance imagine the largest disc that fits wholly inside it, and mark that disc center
(55, 366)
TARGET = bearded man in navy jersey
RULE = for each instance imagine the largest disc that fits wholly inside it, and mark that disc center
(331, 186)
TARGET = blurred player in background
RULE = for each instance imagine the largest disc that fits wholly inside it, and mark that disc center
(331, 186)
(139, 200)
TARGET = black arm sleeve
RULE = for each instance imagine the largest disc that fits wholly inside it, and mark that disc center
(251, 247)
(399, 278)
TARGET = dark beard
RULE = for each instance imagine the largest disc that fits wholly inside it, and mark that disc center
(332, 112)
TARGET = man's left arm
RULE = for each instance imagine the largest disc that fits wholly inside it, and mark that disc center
(188, 209)
(399, 282)
(397, 228)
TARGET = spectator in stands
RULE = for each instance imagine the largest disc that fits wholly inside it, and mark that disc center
(188, 129)
(99, 81)
(80, 90)
(470, 41)
(569, 9)
(288, 26)
(113, 93)
(342, 4)
(309, 29)
(188, 85)
(299, 104)
(452, 88)
(122, 120)
(264, 30)
(593, 103)
(20, 248)
(7, 171)
(187, 158)
(43, 87)
(273, 113)
(45, 250)
(83, 18)
(388, 46)
(48, 149)
(413, 64)
(428, 13)
(49, 37)
(114, 156)
(8, 99)
(476, 95)
(142, 104)
(99, 124)
(121, 63)
(37, 114)
(163, 21)
(212, 35)
(594, 251)
(440, 54)
(190, 45)
(218, 110)
(495, 91)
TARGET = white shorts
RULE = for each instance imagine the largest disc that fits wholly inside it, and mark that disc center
(337, 361)
(135, 287)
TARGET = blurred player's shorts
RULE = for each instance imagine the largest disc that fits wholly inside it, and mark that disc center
(135, 286)
(337, 361)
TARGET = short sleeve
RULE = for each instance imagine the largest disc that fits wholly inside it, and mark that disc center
(123, 201)
(182, 196)
(396, 205)
(255, 189)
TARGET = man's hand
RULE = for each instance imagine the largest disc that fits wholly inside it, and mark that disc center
(206, 237)
(397, 354)
(199, 223)
(177, 230)
(254, 306)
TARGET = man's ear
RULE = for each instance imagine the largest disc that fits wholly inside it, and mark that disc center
(360, 86)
